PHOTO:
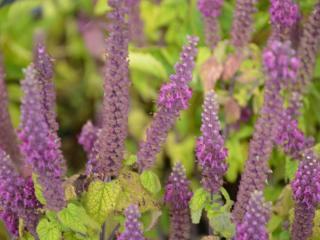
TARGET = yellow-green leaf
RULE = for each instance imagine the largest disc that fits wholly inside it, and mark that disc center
(48, 230)
(38, 189)
(150, 181)
(197, 203)
(101, 199)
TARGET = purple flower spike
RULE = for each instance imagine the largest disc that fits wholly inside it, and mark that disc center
(43, 63)
(133, 227)
(243, 22)
(17, 198)
(177, 196)
(253, 225)
(174, 97)
(210, 150)
(40, 144)
(284, 16)
(306, 194)
(110, 143)
(135, 23)
(281, 67)
(8, 138)
(211, 10)
(88, 136)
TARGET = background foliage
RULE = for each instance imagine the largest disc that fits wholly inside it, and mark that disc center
(75, 32)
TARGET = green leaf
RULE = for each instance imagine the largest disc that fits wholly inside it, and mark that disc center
(197, 203)
(290, 168)
(221, 223)
(130, 160)
(147, 63)
(38, 189)
(48, 230)
(150, 181)
(101, 199)
(75, 218)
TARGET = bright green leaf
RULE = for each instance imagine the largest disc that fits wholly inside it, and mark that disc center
(48, 230)
(38, 189)
(221, 223)
(197, 203)
(150, 181)
(101, 199)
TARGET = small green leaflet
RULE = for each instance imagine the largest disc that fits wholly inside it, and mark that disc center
(38, 189)
(197, 203)
(76, 219)
(150, 181)
(221, 223)
(48, 230)
(101, 199)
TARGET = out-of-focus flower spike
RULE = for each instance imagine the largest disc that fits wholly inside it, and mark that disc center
(40, 145)
(253, 225)
(133, 228)
(43, 63)
(110, 143)
(210, 151)
(243, 23)
(136, 24)
(8, 138)
(177, 196)
(306, 194)
(281, 69)
(211, 10)
(284, 14)
(173, 97)
(17, 198)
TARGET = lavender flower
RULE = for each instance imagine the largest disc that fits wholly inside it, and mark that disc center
(307, 52)
(40, 144)
(253, 225)
(177, 196)
(17, 198)
(306, 194)
(133, 229)
(211, 10)
(8, 138)
(210, 150)
(135, 23)
(110, 143)
(242, 22)
(281, 67)
(285, 14)
(173, 98)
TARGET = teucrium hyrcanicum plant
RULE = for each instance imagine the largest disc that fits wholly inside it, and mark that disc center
(119, 194)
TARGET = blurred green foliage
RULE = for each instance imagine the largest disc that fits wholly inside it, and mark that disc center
(75, 32)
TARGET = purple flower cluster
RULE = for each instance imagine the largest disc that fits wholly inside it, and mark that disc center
(253, 225)
(211, 10)
(133, 228)
(110, 143)
(177, 196)
(8, 138)
(306, 194)
(281, 67)
(210, 151)
(40, 144)
(17, 198)
(135, 23)
(243, 22)
(174, 97)
(284, 15)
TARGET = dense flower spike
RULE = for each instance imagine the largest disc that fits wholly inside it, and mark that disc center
(307, 51)
(284, 15)
(135, 23)
(177, 196)
(210, 151)
(8, 138)
(211, 10)
(133, 228)
(40, 144)
(281, 67)
(174, 97)
(110, 143)
(44, 65)
(306, 194)
(17, 198)
(242, 22)
(253, 225)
